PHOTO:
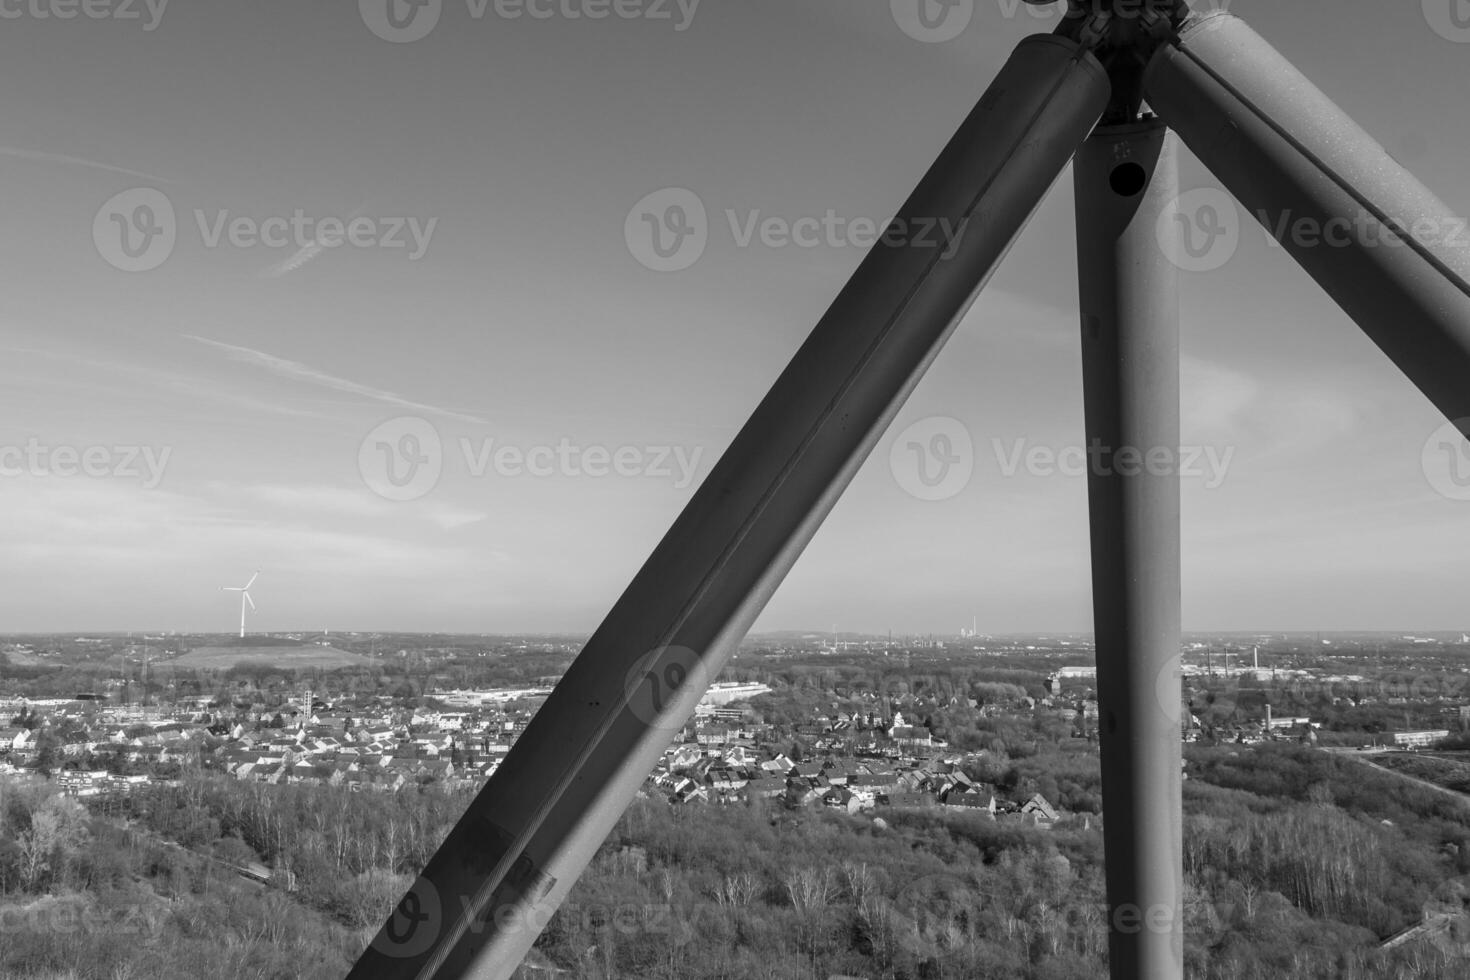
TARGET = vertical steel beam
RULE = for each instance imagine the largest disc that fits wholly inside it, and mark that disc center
(489, 890)
(1392, 255)
(1127, 183)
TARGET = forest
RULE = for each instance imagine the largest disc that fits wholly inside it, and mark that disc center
(1297, 862)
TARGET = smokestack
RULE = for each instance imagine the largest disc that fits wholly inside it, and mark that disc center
(1256, 657)
(1268, 718)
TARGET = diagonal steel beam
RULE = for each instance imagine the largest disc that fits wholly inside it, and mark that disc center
(1392, 255)
(485, 895)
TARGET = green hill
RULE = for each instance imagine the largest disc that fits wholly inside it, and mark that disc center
(276, 655)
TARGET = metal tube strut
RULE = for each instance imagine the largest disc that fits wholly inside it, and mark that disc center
(1127, 183)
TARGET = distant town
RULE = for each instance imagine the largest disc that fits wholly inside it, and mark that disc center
(106, 714)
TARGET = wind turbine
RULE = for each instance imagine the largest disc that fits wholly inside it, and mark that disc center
(1107, 88)
(244, 591)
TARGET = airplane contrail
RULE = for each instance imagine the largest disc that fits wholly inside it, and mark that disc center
(302, 372)
(306, 253)
(41, 156)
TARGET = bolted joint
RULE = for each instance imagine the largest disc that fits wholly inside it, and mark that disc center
(1123, 35)
(1096, 29)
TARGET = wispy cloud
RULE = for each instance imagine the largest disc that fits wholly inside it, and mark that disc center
(118, 378)
(41, 156)
(113, 529)
(1272, 415)
(358, 503)
(304, 254)
(301, 372)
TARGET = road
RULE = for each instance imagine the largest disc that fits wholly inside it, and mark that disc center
(1363, 758)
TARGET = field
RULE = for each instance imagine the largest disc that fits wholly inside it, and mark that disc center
(293, 657)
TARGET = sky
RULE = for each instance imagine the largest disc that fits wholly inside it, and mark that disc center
(362, 304)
